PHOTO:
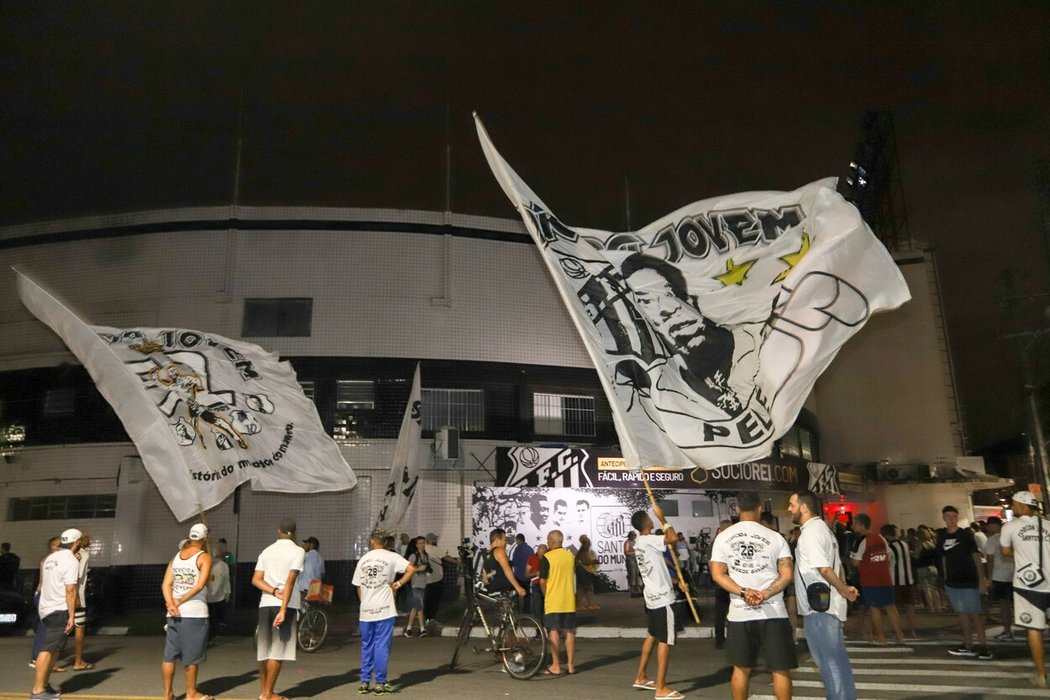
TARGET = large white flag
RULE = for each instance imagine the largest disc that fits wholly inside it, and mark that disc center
(404, 474)
(710, 326)
(206, 413)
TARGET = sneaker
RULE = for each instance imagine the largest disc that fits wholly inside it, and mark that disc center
(1004, 637)
(1039, 681)
(385, 689)
(51, 689)
(363, 689)
(962, 651)
(32, 664)
(983, 653)
(422, 631)
(45, 695)
(406, 633)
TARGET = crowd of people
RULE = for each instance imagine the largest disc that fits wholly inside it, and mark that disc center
(766, 582)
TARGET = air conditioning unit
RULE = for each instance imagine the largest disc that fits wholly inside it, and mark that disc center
(900, 472)
(446, 444)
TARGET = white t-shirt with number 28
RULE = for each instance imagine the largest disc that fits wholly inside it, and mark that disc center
(750, 551)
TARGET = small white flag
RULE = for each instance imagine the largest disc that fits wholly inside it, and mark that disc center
(710, 326)
(404, 474)
(206, 413)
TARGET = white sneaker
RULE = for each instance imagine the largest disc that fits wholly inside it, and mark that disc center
(1004, 637)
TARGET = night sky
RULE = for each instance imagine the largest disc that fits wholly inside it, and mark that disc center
(129, 106)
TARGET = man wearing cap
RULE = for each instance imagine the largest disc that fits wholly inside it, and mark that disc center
(1027, 539)
(58, 599)
(313, 565)
(374, 577)
(276, 570)
(185, 596)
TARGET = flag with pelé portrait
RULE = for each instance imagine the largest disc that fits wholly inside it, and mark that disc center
(710, 326)
(206, 413)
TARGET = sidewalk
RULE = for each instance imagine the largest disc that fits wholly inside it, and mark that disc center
(619, 616)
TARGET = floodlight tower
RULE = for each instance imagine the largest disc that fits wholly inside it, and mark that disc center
(874, 182)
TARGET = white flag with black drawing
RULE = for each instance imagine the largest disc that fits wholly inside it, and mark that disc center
(710, 326)
(206, 413)
(404, 474)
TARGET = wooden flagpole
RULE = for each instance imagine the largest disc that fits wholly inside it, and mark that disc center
(674, 554)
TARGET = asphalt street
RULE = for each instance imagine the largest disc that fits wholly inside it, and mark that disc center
(128, 668)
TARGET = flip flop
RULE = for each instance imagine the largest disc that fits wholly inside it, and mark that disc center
(85, 667)
(59, 669)
(673, 695)
(548, 672)
(648, 685)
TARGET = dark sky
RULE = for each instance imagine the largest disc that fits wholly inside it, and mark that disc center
(129, 106)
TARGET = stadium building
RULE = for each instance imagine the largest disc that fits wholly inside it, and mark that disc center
(354, 298)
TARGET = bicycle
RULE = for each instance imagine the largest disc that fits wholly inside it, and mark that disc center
(313, 626)
(518, 640)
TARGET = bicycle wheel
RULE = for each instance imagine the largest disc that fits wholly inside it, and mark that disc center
(461, 638)
(524, 646)
(312, 630)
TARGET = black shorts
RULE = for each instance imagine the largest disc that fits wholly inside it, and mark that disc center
(662, 624)
(1003, 590)
(560, 621)
(55, 631)
(773, 638)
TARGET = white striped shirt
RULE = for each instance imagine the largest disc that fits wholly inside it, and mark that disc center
(900, 564)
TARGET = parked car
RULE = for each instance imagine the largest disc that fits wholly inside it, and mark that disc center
(15, 612)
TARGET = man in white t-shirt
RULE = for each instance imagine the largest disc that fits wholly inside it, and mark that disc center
(659, 600)
(818, 561)
(1027, 539)
(374, 577)
(1000, 570)
(276, 570)
(186, 599)
(753, 563)
(57, 607)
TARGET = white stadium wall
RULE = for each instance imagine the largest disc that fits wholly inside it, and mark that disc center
(375, 294)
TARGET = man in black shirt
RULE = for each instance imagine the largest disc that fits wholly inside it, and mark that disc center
(9, 565)
(964, 582)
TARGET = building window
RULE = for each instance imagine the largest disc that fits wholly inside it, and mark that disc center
(352, 395)
(670, 508)
(562, 414)
(59, 402)
(806, 444)
(702, 509)
(789, 446)
(456, 408)
(277, 317)
(352, 399)
(100, 505)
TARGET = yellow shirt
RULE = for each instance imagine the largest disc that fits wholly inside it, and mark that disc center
(559, 568)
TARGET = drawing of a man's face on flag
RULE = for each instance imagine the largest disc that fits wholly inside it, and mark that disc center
(710, 326)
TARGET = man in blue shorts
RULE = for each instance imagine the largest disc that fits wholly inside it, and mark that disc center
(964, 582)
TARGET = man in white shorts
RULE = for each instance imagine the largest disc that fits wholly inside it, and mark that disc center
(1027, 538)
(275, 572)
(185, 597)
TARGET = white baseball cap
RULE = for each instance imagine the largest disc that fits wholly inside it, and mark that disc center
(1027, 498)
(198, 531)
(71, 535)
